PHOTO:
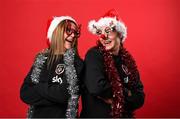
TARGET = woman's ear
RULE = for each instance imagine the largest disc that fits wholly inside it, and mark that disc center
(120, 36)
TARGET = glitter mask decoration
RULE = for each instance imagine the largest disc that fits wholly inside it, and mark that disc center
(69, 30)
(107, 30)
(110, 19)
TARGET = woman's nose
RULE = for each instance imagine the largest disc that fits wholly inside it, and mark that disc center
(103, 36)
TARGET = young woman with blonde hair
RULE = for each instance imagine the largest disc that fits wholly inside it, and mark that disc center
(51, 87)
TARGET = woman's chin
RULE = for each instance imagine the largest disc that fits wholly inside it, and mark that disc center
(108, 48)
(68, 45)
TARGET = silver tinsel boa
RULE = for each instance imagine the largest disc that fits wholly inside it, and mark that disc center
(72, 79)
(36, 71)
(37, 66)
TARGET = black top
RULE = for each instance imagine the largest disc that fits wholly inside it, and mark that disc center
(49, 97)
(96, 84)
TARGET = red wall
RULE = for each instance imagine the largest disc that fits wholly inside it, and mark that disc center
(153, 39)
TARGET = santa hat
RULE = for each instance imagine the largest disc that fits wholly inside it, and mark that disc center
(111, 19)
(53, 23)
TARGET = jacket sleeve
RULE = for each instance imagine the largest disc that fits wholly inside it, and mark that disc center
(43, 93)
(79, 66)
(54, 92)
(136, 100)
(95, 81)
(29, 94)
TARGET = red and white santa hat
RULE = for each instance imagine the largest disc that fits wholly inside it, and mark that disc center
(110, 19)
(53, 23)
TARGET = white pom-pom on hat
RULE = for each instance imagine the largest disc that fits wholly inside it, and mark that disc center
(54, 23)
(109, 19)
(91, 26)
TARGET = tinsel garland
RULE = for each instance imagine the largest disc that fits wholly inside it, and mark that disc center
(37, 68)
(71, 76)
(117, 83)
(72, 79)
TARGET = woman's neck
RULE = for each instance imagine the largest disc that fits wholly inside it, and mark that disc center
(116, 49)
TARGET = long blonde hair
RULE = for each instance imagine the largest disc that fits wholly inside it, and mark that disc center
(56, 48)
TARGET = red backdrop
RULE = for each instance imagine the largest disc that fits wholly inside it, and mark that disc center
(153, 39)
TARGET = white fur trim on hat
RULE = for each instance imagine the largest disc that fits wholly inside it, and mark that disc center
(54, 24)
(108, 21)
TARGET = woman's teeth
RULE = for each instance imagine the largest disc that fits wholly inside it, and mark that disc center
(107, 42)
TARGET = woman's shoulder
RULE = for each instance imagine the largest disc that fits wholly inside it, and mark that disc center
(43, 52)
(41, 56)
(78, 60)
(93, 49)
(93, 53)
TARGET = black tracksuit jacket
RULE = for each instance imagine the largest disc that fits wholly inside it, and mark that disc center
(49, 97)
(95, 84)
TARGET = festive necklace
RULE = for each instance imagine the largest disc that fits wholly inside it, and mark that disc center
(115, 81)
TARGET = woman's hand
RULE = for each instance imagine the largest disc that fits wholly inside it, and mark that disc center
(108, 101)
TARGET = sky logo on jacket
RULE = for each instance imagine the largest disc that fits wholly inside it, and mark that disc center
(56, 79)
(59, 70)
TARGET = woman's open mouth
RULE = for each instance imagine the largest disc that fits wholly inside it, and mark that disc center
(69, 40)
(106, 42)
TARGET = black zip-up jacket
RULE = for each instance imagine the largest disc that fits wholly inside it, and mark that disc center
(96, 84)
(49, 97)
